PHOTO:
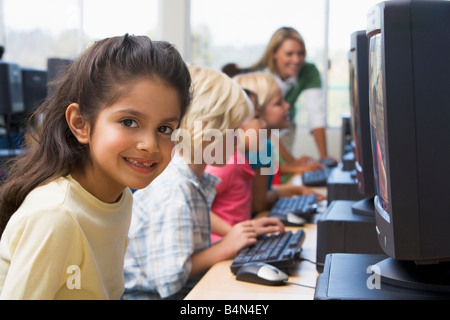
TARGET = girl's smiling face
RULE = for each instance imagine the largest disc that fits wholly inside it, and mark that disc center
(130, 144)
(276, 112)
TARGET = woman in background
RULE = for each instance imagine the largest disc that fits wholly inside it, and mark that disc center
(284, 58)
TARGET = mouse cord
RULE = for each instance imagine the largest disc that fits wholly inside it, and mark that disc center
(299, 284)
(310, 261)
(304, 285)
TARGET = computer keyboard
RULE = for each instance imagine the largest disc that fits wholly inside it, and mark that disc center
(280, 250)
(296, 210)
(317, 178)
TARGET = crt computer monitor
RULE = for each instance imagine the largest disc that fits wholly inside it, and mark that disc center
(409, 85)
(34, 83)
(359, 99)
(11, 94)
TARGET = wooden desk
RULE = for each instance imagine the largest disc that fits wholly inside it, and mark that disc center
(220, 284)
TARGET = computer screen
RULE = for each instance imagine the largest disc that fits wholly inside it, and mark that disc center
(359, 99)
(409, 103)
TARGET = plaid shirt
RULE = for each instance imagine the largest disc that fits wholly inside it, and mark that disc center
(170, 223)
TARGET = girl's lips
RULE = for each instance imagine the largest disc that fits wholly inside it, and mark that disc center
(141, 165)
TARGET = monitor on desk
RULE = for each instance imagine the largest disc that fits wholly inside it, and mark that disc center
(34, 88)
(11, 94)
(409, 83)
(359, 99)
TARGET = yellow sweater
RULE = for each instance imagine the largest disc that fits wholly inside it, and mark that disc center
(64, 243)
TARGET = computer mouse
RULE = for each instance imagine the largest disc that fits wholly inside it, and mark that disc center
(261, 273)
(292, 218)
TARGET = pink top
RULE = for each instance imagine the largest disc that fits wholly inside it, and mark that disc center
(233, 201)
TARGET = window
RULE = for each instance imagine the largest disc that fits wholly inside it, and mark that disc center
(345, 17)
(238, 31)
(223, 31)
(34, 30)
(226, 31)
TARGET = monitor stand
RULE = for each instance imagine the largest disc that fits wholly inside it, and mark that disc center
(409, 275)
(349, 276)
(364, 207)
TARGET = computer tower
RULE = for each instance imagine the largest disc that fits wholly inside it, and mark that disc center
(342, 185)
(11, 94)
(340, 230)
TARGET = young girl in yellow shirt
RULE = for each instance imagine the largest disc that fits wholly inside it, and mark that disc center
(66, 205)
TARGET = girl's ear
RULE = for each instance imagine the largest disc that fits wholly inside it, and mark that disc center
(77, 124)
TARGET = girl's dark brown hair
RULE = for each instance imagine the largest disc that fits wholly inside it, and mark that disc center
(96, 79)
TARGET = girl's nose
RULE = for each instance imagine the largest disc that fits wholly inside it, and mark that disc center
(149, 143)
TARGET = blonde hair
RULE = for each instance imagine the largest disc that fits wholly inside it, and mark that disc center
(261, 83)
(218, 102)
(275, 43)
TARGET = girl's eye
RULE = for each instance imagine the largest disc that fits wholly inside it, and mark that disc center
(165, 130)
(129, 123)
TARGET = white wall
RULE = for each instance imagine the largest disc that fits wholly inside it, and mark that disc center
(304, 143)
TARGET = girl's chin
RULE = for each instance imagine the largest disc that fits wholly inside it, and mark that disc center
(137, 184)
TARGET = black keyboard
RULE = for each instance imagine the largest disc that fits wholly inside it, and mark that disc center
(295, 210)
(279, 250)
(317, 178)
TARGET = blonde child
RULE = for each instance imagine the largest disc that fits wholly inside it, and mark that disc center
(233, 201)
(66, 206)
(275, 111)
(170, 230)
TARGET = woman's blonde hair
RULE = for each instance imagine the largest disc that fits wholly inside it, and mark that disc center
(261, 83)
(275, 43)
(218, 102)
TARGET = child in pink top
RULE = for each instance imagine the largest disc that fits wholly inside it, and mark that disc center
(233, 201)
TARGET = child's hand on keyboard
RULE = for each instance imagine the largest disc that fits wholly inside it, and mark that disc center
(267, 225)
(241, 235)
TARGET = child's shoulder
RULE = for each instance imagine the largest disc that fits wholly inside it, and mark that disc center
(42, 222)
(42, 204)
(48, 195)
